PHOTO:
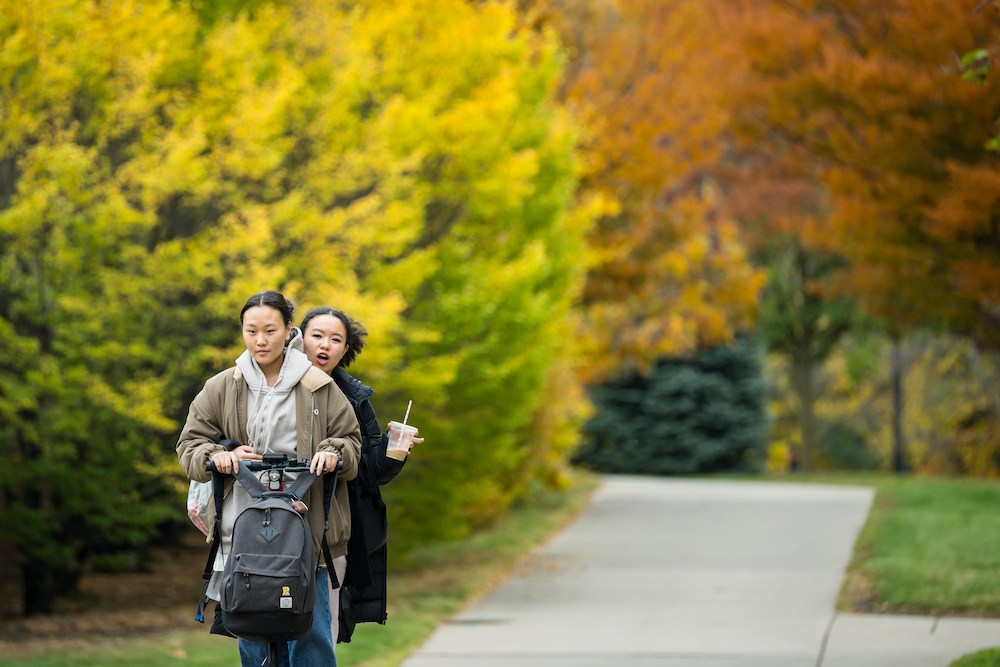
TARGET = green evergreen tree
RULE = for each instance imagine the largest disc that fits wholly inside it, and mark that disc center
(689, 415)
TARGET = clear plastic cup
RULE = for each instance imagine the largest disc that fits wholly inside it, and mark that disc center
(400, 440)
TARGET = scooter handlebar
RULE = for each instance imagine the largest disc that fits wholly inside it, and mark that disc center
(257, 466)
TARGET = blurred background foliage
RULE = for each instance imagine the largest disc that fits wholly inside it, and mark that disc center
(534, 207)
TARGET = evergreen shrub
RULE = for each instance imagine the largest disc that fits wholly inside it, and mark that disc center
(700, 414)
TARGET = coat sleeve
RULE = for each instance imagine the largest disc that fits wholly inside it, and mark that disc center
(343, 435)
(202, 431)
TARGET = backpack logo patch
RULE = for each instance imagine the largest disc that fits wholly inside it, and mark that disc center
(269, 533)
(285, 603)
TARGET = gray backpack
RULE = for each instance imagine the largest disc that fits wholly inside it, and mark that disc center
(269, 582)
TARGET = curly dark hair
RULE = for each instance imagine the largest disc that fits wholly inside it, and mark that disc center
(356, 333)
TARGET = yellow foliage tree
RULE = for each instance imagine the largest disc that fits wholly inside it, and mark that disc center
(406, 161)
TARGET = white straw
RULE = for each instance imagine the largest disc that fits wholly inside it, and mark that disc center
(407, 411)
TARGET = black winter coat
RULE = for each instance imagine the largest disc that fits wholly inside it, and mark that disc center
(363, 591)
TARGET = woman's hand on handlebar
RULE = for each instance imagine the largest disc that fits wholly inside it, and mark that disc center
(227, 462)
(323, 462)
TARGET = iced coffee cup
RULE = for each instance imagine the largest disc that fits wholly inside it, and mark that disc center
(400, 440)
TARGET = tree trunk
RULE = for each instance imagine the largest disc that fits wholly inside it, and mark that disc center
(988, 381)
(802, 376)
(44, 584)
(898, 444)
(11, 586)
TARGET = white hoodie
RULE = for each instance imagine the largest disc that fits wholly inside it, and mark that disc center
(271, 410)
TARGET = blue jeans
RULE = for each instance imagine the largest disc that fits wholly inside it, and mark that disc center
(314, 650)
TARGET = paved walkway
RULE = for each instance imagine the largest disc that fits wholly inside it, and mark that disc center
(697, 573)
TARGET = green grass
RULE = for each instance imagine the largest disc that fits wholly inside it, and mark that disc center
(190, 649)
(432, 584)
(988, 658)
(929, 545)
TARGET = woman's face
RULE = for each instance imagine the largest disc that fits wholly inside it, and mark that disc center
(325, 342)
(265, 333)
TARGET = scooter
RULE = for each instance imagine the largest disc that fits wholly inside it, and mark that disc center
(274, 465)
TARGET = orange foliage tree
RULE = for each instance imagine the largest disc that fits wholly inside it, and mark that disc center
(668, 273)
(862, 97)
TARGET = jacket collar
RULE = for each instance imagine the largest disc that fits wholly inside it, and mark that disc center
(353, 388)
(312, 380)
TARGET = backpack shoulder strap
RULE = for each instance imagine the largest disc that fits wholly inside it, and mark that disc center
(298, 488)
(249, 482)
(219, 491)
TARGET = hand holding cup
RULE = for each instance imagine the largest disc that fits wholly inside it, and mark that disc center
(401, 438)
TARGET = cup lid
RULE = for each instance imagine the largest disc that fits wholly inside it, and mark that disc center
(401, 426)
